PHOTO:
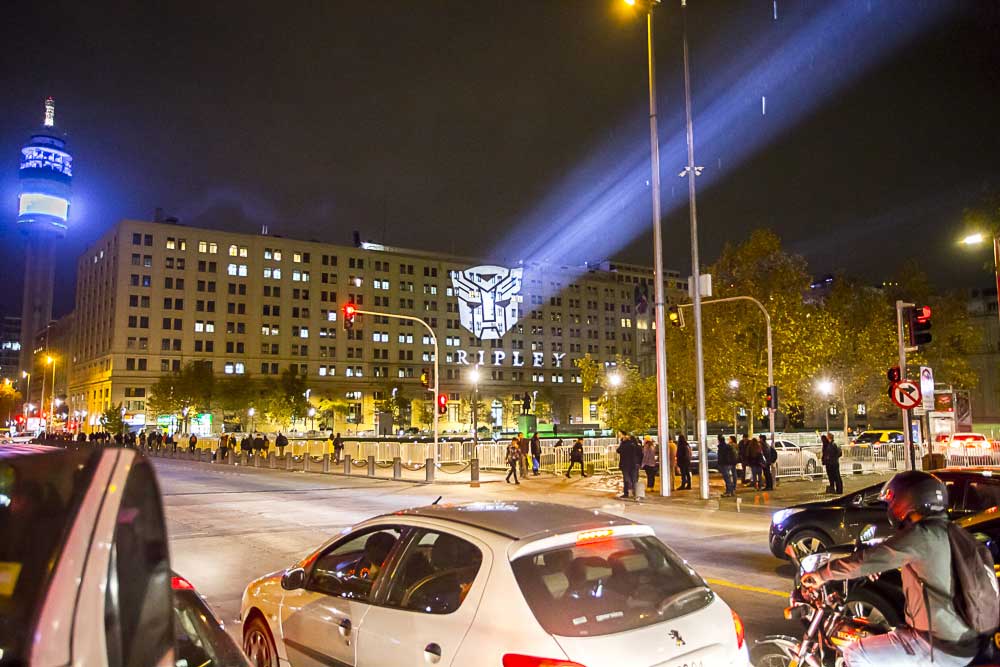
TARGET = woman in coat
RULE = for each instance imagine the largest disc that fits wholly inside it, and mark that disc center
(513, 458)
(649, 462)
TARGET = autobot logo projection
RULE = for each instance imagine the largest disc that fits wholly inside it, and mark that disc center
(487, 299)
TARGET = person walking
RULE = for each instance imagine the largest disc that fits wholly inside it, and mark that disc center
(513, 459)
(629, 460)
(672, 472)
(770, 458)
(536, 454)
(192, 443)
(832, 464)
(576, 456)
(525, 447)
(281, 441)
(246, 445)
(727, 464)
(684, 461)
(338, 447)
(649, 463)
(755, 458)
(741, 453)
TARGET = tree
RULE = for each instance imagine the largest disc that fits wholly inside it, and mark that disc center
(482, 413)
(332, 407)
(591, 372)
(112, 419)
(284, 398)
(393, 401)
(10, 399)
(193, 387)
(164, 397)
(423, 412)
(631, 406)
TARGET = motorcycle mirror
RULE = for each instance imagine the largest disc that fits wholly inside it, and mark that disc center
(867, 533)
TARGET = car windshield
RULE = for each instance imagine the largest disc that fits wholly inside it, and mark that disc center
(868, 437)
(609, 586)
(39, 498)
(199, 640)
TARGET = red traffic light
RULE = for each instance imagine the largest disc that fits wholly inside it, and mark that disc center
(442, 404)
(350, 310)
(922, 314)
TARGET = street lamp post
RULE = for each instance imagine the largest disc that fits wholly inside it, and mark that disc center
(312, 419)
(734, 385)
(979, 238)
(614, 382)
(659, 296)
(474, 376)
(251, 412)
(52, 400)
(825, 387)
(27, 396)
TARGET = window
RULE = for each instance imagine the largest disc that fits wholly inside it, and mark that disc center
(434, 574)
(350, 568)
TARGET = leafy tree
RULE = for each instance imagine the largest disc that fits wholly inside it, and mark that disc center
(10, 399)
(423, 412)
(631, 406)
(112, 419)
(284, 398)
(330, 408)
(482, 412)
(393, 401)
(164, 397)
(192, 387)
(591, 372)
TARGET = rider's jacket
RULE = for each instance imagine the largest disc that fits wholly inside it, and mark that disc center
(922, 552)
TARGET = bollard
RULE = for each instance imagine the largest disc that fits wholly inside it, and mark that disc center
(272, 461)
(371, 465)
(289, 458)
(429, 467)
(347, 465)
(256, 459)
(397, 468)
(326, 463)
(474, 472)
(306, 460)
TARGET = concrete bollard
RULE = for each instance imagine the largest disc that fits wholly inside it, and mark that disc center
(306, 461)
(289, 460)
(429, 468)
(397, 468)
(326, 463)
(371, 465)
(474, 473)
(256, 459)
(272, 460)
(347, 465)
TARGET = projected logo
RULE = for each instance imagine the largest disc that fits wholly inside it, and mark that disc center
(487, 299)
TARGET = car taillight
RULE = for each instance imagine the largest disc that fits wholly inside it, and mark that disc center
(180, 584)
(738, 625)
(517, 660)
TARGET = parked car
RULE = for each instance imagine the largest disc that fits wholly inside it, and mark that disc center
(522, 584)
(815, 526)
(971, 449)
(794, 458)
(85, 575)
(713, 457)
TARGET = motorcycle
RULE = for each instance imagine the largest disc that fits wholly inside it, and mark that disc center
(830, 624)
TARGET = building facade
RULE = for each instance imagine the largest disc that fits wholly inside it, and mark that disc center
(152, 297)
(985, 397)
(10, 348)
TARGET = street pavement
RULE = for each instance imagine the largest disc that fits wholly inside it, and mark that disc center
(229, 525)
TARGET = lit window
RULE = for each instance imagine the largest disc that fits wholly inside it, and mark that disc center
(240, 368)
(229, 369)
(232, 269)
(171, 243)
(233, 251)
(243, 251)
(213, 248)
(304, 332)
(243, 270)
(297, 257)
(199, 326)
(202, 246)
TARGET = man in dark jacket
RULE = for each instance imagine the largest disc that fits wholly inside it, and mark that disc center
(338, 447)
(935, 633)
(536, 454)
(684, 461)
(770, 458)
(727, 466)
(831, 460)
(281, 442)
(576, 456)
(629, 460)
(744, 458)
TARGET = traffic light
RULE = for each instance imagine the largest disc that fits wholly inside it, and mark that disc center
(771, 397)
(442, 404)
(349, 312)
(920, 325)
(675, 316)
(894, 375)
(425, 379)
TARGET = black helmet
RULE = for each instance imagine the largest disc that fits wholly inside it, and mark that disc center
(913, 491)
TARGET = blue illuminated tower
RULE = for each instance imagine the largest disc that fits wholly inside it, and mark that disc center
(46, 176)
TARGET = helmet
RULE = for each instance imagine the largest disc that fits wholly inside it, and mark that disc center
(913, 491)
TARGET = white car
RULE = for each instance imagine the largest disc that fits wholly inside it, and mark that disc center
(792, 458)
(512, 584)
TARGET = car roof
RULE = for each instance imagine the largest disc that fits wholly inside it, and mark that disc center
(519, 519)
(973, 471)
(15, 451)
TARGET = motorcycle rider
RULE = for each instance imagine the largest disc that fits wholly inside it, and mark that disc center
(921, 549)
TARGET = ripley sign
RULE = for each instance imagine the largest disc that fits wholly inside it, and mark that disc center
(496, 358)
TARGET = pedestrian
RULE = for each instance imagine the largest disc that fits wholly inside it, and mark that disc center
(192, 443)
(525, 447)
(559, 443)
(832, 464)
(755, 457)
(170, 443)
(629, 460)
(246, 444)
(576, 456)
(338, 447)
(684, 461)
(672, 453)
(223, 446)
(258, 443)
(649, 462)
(770, 458)
(513, 459)
(741, 453)
(281, 442)
(727, 464)
(536, 454)
(142, 440)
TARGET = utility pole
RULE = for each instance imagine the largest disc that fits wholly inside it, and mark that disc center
(907, 436)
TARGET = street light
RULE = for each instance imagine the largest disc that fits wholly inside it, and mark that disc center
(312, 419)
(660, 300)
(734, 385)
(474, 378)
(615, 380)
(825, 387)
(978, 238)
(27, 396)
(251, 412)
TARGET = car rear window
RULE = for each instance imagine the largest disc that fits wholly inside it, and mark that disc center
(609, 586)
(39, 498)
(868, 437)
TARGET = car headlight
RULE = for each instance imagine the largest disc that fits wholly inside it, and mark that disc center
(780, 516)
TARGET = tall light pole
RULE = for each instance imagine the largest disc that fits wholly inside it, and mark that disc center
(825, 388)
(979, 238)
(474, 378)
(27, 396)
(614, 382)
(250, 413)
(734, 386)
(312, 419)
(659, 296)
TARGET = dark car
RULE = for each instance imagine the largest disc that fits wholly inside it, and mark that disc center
(812, 527)
(200, 638)
(713, 457)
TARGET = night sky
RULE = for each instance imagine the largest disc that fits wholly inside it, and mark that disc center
(465, 126)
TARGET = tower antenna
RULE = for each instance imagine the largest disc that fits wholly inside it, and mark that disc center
(50, 112)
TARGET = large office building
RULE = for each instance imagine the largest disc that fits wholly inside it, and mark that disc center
(152, 297)
(10, 347)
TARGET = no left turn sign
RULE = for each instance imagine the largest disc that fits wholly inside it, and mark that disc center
(906, 394)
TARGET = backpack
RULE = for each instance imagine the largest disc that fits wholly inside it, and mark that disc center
(977, 598)
(771, 454)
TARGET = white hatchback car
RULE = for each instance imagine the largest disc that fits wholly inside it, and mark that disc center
(512, 584)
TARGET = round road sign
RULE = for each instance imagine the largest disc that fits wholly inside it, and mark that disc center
(906, 394)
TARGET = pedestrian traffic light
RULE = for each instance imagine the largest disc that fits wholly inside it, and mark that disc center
(349, 312)
(894, 375)
(425, 379)
(771, 397)
(675, 316)
(920, 325)
(442, 404)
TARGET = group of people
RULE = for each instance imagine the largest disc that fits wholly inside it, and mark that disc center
(520, 451)
(632, 457)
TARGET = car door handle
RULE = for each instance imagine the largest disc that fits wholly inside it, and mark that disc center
(345, 628)
(432, 653)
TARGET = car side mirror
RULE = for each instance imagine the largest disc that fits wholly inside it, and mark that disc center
(293, 579)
